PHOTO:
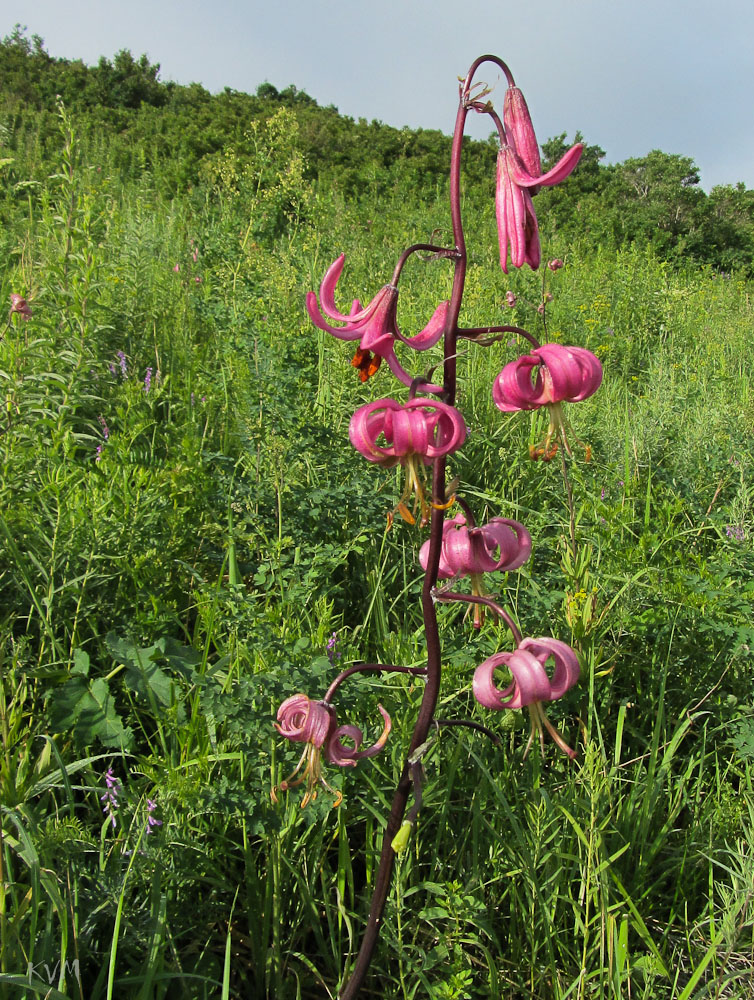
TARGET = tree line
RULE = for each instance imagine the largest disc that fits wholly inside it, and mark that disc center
(173, 134)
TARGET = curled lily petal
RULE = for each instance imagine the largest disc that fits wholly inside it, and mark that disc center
(403, 376)
(530, 684)
(447, 424)
(529, 681)
(327, 293)
(423, 427)
(562, 373)
(344, 756)
(370, 326)
(314, 723)
(302, 720)
(566, 672)
(375, 325)
(501, 544)
(431, 333)
(575, 372)
(555, 175)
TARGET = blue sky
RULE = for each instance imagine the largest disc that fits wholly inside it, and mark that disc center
(671, 74)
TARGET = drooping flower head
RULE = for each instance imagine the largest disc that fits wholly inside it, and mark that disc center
(314, 723)
(547, 376)
(375, 326)
(531, 684)
(415, 432)
(499, 545)
(519, 177)
(20, 306)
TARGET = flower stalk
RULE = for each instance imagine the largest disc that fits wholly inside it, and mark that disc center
(425, 432)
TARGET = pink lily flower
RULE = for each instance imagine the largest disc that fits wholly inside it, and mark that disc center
(20, 306)
(314, 723)
(519, 177)
(417, 431)
(530, 685)
(567, 374)
(501, 544)
(375, 326)
(344, 756)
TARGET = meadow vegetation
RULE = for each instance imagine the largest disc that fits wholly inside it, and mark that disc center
(184, 525)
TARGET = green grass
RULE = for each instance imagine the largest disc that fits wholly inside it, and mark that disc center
(159, 601)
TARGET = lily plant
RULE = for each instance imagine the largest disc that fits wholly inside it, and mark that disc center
(423, 433)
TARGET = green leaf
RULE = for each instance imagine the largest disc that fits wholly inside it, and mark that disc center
(89, 710)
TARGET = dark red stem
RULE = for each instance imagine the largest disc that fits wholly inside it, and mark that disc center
(415, 248)
(376, 668)
(434, 661)
(471, 333)
(449, 595)
(470, 519)
(468, 724)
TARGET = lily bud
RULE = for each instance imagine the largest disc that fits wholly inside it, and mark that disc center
(399, 842)
(517, 121)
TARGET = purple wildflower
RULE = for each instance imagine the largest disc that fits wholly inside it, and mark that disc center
(333, 653)
(98, 456)
(147, 379)
(122, 361)
(735, 531)
(105, 428)
(152, 821)
(112, 791)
